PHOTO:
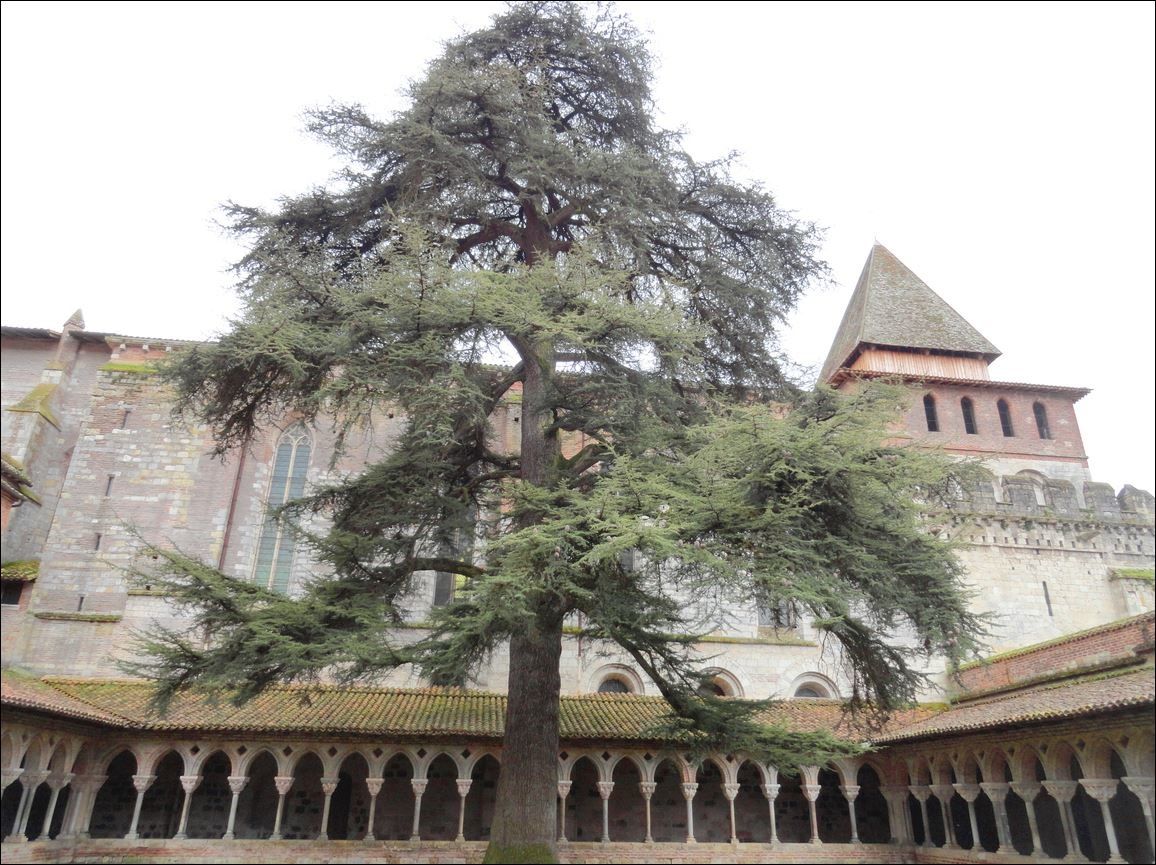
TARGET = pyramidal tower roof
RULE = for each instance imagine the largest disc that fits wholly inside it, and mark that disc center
(893, 307)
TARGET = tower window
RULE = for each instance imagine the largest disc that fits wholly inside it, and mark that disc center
(968, 416)
(275, 551)
(931, 414)
(1042, 420)
(1005, 419)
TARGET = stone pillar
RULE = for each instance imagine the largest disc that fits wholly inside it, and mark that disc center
(464, 785)
(56, 783)
(811, 792)
(87, 786)
(647, 789)
(31, 783)
(731, 791)
(944, 792)
(1102, 790)
(189, 783)
(1144, 788)
(374, 787)
(283, 783)
(969, 793)
(418, 785)
(1028, 790)
(896, 797)
(1063, 792)
(328, 785)
(563, 792)
(236, 785)
(140, 783)
(997, 793)
(605, 788)
(922, 793)
(851, 793)
(771, 791)
(688, 791)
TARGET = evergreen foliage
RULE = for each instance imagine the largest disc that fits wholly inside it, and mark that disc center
(526, 203)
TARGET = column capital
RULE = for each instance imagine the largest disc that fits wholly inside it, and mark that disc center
(189, 783)
(1100, 789)
(328, 785)
(811, 791)
(1061, 791)
(942, 792)
(730, 791)
(141, 783)
(1144, 788)
(850, 791)
(969, 792)
(605, 788)
(771, 791)
(688, 791)
(647, 788)
(564, 789)
(996, 791)
(32, 780)
(1026, 790)
(89, 783)
(283, 783)
(374, 785)
(10, 775)
(237, 783)
(419, 785)
(920, 791)
(60, 781)
(464, 785)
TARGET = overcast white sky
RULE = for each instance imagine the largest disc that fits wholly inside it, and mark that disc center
(1004, 152)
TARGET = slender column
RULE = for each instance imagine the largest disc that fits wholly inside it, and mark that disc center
(922, 793)
(771, 791)
(56, 783)
(688, 791)
(647, 789)
(140, 783)
(189, 783)
(31, 782)
(944, 792)
(851, 793)
(969, 793)
(1102, 790)
(89, 786)
(374, 786)
(236, 785)
(418, 785)
(605, 788)
(1145, 790)
(563, 792)
(464, 785)
(1063, 792)
(997, 793)
(283, 783)
(328, 785)
(896, 797)
(811, 792)
(731, 791)
(1028, 790)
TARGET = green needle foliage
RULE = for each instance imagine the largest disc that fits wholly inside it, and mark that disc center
(526, 206)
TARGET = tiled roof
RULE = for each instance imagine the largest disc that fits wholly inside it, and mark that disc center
(844, 373)
(891, 306)
(21, 691)
(1128, 690)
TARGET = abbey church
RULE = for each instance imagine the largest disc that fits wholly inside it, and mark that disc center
(1042, 750)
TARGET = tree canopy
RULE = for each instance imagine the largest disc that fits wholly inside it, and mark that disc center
(525, 206)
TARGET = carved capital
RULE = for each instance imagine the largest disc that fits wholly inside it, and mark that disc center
(419, 785)
(647, 788)
(189, 783)
(283, 783)
(1026, 790)
(1061, 791)
(688, 791)
(771, 791)
(969, 792)
(1100, 789)
(942, 792)
(995, 790)
(59, 782)
(8, 776)
(1144, 788)
(731, 791)
(464, 785)
(140, 783)
(328, 785)
(605, 788)
(32, 780)
(89, 783)
(894, 794)
(850, 791)
(564, 789)
(237, 783)
(374, 785)
(920, 791)
(811, 791)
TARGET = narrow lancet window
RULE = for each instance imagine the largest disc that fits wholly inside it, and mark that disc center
(1042, 420)
(931, 414)
(275, 551)
(1005, 419)
(968, 416)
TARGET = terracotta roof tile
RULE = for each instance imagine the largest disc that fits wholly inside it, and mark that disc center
(21, 691)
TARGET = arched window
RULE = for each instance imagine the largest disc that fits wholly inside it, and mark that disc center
(1005, 420)
(814, 686)
(968, 416)
(931, 414)
(614, 685)
(811, 691)
(1042, 420)
(275, 550)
